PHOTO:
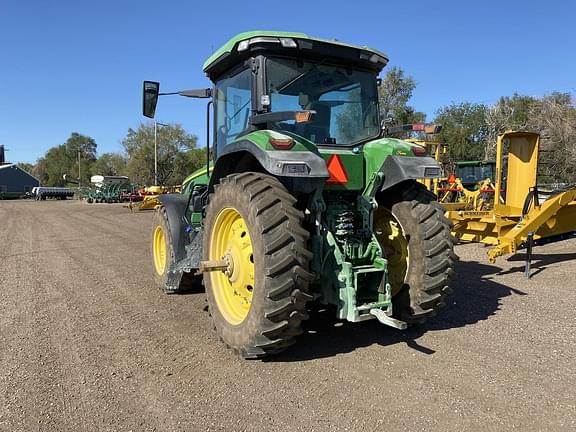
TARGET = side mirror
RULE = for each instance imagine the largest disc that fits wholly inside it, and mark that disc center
(150, 92)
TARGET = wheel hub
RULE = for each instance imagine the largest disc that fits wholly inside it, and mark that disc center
(230, 242)
(228, 258)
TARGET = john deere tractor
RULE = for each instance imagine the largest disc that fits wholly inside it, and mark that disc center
(303, 199)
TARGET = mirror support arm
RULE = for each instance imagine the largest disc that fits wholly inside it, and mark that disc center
(201, 93)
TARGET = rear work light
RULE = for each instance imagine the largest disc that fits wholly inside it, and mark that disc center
(432, 172)
(285, 42)
(288, 43)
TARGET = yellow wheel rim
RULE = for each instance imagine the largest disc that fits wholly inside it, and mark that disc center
(391, 237)
(159, 250)
(232, 289)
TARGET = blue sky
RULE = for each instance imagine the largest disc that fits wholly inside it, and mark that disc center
(78, 66)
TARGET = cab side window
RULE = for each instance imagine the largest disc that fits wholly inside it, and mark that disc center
(233, 103)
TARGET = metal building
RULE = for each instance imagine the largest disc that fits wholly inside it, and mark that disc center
(14, 181)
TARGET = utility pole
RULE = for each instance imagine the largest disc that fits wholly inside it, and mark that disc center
(79, 181)
(79, 177)
(155, 153)
(156, 150)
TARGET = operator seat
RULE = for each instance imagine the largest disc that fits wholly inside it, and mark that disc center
(318, 129)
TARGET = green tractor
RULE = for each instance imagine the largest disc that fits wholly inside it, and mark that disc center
(303, 200)
(472, 173)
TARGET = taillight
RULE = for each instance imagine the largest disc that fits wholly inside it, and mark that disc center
(418, 150)
(281, 143)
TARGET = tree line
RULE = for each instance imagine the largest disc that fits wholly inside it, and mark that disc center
(177, 157)
(470, 129)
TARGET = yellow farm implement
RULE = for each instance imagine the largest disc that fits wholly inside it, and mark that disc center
(430, 140)
(479, 199)
(516, 216)
(150, 200)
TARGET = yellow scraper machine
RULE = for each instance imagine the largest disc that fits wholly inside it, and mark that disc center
(517, 216)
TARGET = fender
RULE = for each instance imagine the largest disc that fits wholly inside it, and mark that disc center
(186, 246)
(397, 169)
(300, 171)
(175, 206)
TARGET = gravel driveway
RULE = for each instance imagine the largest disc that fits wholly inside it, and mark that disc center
(87, 343)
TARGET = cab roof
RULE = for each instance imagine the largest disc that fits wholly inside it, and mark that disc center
(279, 42)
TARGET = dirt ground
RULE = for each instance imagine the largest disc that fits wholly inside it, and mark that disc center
(88, 343)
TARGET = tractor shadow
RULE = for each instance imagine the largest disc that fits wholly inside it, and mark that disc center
(540, 262)
(476, 298)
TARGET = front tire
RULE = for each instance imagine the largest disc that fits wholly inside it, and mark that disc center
(259, 302)
(415, 235)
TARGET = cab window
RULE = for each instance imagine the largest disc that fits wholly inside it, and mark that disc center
(233, 103)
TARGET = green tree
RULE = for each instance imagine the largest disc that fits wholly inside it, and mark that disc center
(175, 154)
(463, 130)
(508, 113)
(39, 171)
(554, 117)
(63, 159)
(394, 93)
(187, 162)
(28, 167)
(110, 164)
(83, 147)
(55, 163)
(83, 144)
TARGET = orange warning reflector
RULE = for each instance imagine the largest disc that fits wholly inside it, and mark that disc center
(336, 170)
(452, 179)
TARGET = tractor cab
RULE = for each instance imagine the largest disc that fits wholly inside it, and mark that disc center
(321, 91)
(324, 92)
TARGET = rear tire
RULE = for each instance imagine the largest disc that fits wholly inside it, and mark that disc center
(162, 252)
(267, 320)
(420, 290)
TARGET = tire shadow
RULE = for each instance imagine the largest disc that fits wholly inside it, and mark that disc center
(476, 298)
(195, 287)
